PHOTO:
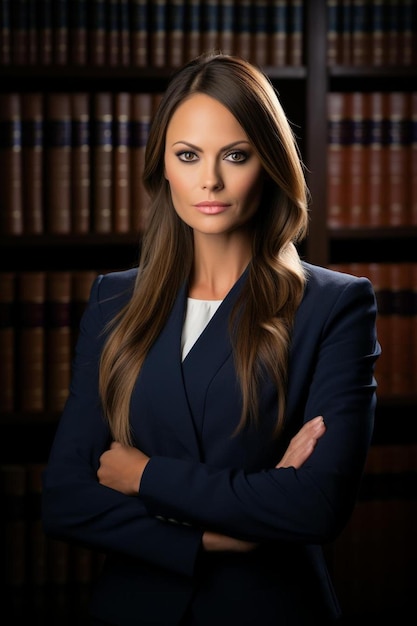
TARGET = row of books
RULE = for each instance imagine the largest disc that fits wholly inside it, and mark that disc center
(395, 286)
(29, 556)
(372, 159)
(371, 32)
(39, 321)
(71, 163)
(141, 33)
(41, 311)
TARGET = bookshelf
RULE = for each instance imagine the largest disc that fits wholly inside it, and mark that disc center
(305, 79)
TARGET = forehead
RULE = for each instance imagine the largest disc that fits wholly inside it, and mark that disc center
(202, 115)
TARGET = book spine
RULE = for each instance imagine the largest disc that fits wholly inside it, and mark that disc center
(158, 33)
(80, 163)
(176, 33)
(227, 21)
(398, 174)
(97, 32)
(141, 115)
(346, 36)
(356, 172)
(259, 53)
(32, 33)
(393, 34)
(112, 33)
(377, 32)
(278, 34)
(5, 33)
(333, 32)
(11, 200)
(338, 135)
(45, 32)
(210, 25)
(78, 21)
(7, 341)
(60, 35)
(58, 140)
(359, 35)
(121, 163)
(376, 155)
(19, 32)
(193, 29)
(243, 29)
(58, 339)
(139, 33)
(295, 32)
(407, 31)
(124, 32)
(31, 340)
(32, 162)
(102, 162)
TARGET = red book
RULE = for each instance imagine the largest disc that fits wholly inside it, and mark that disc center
(376, 156)
(398, 174)
(121, 163)
(337, 152)
(32, 162)
(141, 115)
(31, 340)
(356, 164)
(378, 43)
(58, 141)
(102, 162)
(58, 339)
(80, 163)
(7, 341)
(11, 201)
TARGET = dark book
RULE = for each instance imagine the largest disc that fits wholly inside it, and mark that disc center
(11, 177)
(102, 162)
(7, 341)
(33, 162)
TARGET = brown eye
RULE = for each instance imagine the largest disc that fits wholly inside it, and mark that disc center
(187, 155)
(237, 157)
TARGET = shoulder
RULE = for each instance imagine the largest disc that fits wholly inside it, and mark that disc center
(326, 286)
(113, 290)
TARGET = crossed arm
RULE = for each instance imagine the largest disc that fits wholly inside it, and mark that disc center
(121, 468)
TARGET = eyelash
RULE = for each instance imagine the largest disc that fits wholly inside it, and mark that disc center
(243, 156)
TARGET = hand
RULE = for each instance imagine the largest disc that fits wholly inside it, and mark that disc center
(215, 542)
(121, 468)
(303, 443)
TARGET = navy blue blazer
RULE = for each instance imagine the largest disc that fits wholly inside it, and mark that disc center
(200, 476)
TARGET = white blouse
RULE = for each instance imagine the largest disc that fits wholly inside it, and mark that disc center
(198, 315)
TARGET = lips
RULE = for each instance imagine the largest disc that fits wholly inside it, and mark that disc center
(211, 207)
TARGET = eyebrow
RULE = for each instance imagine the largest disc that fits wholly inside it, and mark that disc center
(222, 149)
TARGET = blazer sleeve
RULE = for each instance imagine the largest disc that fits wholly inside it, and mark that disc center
(312, 503)
(74, 505)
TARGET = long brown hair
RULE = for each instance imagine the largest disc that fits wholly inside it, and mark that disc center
(263, 317)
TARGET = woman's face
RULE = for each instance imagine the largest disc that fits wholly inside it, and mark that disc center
(213, 172)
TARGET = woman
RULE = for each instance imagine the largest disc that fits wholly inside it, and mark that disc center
(192, 449)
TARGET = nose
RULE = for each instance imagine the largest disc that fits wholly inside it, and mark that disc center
(211, 178)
